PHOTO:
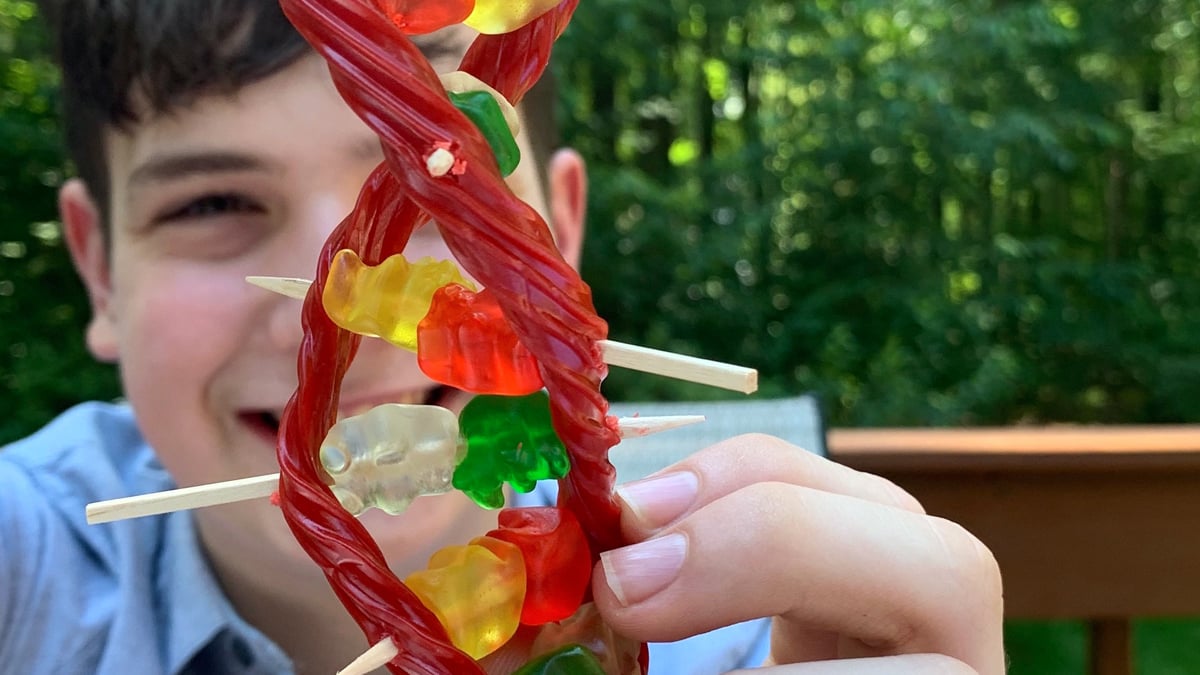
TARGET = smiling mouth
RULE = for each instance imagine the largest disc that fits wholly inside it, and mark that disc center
(265, 423)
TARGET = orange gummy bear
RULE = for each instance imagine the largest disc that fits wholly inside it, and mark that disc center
(416, 17)
(465, 342)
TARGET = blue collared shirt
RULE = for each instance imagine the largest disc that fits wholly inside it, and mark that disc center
(137, 596)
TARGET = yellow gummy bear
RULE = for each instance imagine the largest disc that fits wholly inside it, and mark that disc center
(476, 591)
(494, 17)
(387, 300)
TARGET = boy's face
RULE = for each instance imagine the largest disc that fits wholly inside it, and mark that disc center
(201, 198)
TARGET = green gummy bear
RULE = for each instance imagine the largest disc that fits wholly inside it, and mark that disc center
(568, 660)
(510, 439)
(484, 111)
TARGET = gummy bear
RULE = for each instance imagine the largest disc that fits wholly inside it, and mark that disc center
(465, 342)
(390, 455)
(614, 652)
(484, 112)
(504, 16)
(510, 439)
(387, 300)
(476, 591)
(558, 564)
(568, 660)
(459, 82)
(415, 17)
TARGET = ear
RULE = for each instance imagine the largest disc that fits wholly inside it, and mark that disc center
(85, 240)
(568, 202)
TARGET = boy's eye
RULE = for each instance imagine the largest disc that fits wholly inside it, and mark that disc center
(212, 205)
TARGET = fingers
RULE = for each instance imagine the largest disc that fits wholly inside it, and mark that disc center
(908, 664)
(670, 494)
(756, 528)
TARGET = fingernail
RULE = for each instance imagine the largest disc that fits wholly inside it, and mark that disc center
(637, 572)
(659, 500)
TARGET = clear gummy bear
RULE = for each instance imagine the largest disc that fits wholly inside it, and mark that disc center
(392, 454)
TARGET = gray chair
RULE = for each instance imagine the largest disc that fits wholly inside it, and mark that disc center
(796, 420)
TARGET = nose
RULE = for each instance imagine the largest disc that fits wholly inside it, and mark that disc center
(283, 323)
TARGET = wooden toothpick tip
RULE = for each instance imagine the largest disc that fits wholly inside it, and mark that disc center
(242, 489)
(287, 286)
(644, 359)
(379, 655)
(636, 427)
(680, 366)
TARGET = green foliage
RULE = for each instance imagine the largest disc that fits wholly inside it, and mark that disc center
(44, 367)
(1160, 647)
(930, 212)
(1047, 648)
(1167, 646)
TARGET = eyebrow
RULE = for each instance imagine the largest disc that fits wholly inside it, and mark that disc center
(176, 166)
(164, 168)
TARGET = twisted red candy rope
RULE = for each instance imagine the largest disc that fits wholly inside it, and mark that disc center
(498, 239)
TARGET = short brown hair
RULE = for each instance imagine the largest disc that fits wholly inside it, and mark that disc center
(165, 54)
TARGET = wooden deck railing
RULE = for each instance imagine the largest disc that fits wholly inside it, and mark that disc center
(1094, 523)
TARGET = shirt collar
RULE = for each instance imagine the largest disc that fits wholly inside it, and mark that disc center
(197, 616)
(192, 607)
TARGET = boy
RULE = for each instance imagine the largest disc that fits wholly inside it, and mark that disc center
(211, 145)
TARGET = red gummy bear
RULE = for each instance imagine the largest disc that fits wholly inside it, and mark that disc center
(558, 563)
(415, 17)
(465, 342)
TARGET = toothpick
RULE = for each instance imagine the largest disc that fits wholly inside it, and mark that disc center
(379, 655)
(680, 366)
(195, 497)
(287, 286)
(243, 489)
(636, 427)
(643, 359)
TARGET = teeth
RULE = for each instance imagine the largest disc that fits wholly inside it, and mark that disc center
(411, 398)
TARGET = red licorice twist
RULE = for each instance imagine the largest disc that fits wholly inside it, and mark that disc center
(498, 239)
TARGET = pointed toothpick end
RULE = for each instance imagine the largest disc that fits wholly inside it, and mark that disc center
(287, 286)
(376, 657)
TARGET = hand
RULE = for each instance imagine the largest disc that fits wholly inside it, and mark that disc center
(857, 577)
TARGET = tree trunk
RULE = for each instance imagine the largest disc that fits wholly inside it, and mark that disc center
(1116, 199)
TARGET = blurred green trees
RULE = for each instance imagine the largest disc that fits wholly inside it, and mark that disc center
(44, 367)
(932, 212)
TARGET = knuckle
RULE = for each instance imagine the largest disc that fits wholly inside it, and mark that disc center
(975, 567)
(899, 497)
(755, 454)
(891, 635)
(760, 443)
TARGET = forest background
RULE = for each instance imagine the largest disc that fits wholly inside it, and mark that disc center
(928, 212)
